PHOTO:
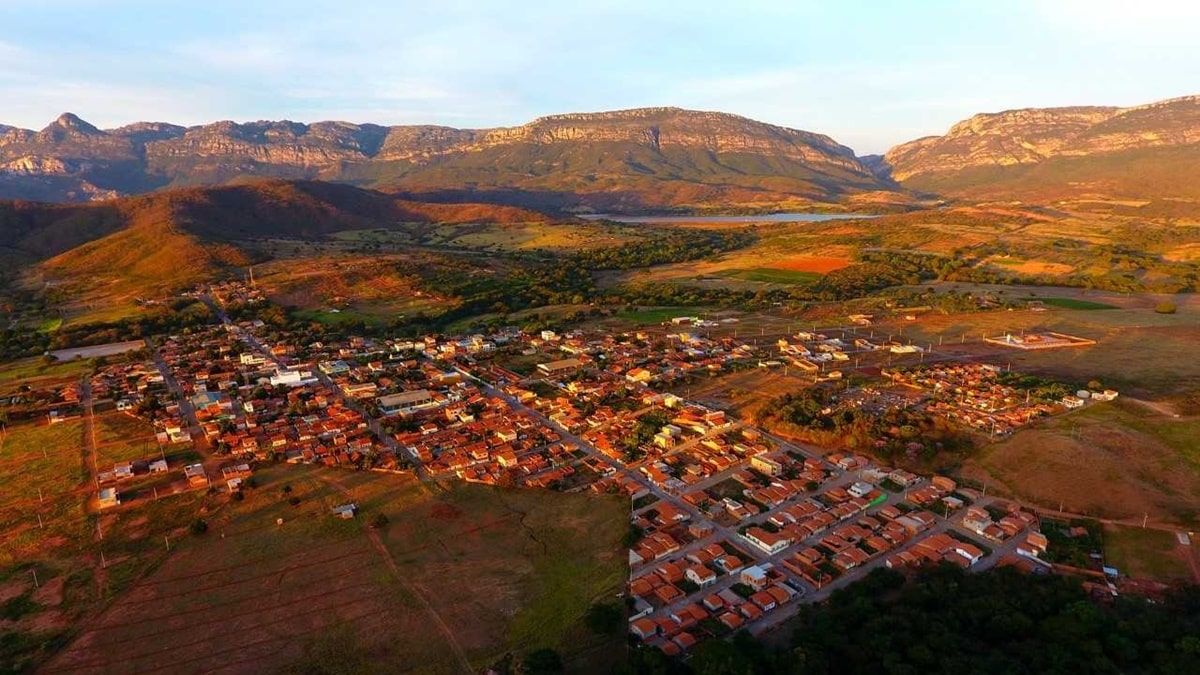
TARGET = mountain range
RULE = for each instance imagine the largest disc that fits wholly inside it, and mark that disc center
(632, 160)
(649, 158)
(1147, 152)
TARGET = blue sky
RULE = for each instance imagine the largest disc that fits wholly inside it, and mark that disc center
(868, 73)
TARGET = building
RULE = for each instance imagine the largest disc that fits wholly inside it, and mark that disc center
(767, 541)
(562, 367)
(108, 498)
(755, 577)
(406, 402)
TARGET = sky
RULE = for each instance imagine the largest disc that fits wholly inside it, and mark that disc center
(869, 73)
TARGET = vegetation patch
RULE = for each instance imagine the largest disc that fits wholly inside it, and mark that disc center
(1145, 553)
(1076, 303)
(771, 275)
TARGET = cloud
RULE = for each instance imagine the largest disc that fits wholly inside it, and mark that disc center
(249, 52)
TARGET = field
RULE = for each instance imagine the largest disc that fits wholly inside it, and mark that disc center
(1146, 553)
(121, 438)
(771, 275)
(47, 457)
(656, 315)
(475, 572)
(814, 264)
(38, 374)
(78, 561)
(1139, 352)
(1076, 303)
(531, 236)
(1108, 460)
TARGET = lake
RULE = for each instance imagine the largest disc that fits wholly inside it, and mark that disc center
(765, 218)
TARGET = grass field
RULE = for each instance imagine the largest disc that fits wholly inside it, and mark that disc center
(1145, 553)
(1075, 303)
(501, 571)
(656, 315)
(1139, 352)
(35, 372)
(772, 275)
(1107, 460)
(50, 458)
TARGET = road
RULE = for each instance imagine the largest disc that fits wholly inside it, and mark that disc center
(212, 465)
(89, 437)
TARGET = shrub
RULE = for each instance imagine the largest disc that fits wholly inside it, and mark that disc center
(1166, 307)
(199, 526)
(605, 618)
(380, 521)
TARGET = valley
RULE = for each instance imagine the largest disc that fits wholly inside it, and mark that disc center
(589, 389)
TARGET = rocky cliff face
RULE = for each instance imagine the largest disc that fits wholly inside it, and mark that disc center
(88, 163)
(1032, 136)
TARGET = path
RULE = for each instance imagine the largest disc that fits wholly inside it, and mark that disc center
(377, 542)
(1156, 406)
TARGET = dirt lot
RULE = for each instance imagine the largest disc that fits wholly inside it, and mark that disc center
(473, 572)
(818, 264)
(1106, 460)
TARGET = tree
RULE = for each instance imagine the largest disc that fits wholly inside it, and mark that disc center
(1166, 307)
(605, 618)
(199, 526)
(541, 661)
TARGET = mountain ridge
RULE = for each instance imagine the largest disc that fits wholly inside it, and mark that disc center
(1149, 151)
(589, 153)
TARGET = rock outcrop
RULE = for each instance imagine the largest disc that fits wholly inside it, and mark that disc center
(669, 144)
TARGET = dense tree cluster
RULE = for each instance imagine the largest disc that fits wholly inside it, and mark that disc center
(946, 620)
(667, 246)
(19, 341)
(893, 435)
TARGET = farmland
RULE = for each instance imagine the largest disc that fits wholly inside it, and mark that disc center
(498, 571)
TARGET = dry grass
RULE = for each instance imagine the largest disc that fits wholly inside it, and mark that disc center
(504, 570)
(1105, 461)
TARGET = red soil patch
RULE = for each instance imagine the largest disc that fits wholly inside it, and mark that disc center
(810, 263)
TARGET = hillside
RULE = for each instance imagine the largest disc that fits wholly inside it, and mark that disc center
(1149, 153)
(631, 159)
(139, 246)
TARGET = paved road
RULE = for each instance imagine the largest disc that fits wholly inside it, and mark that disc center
(212, 464)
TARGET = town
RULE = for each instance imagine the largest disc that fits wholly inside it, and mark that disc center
(733, 527)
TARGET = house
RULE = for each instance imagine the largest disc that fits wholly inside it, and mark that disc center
(345, 511)
(765, 601)
(766, 464)
(644, 627)
(700, 575)
(109, 498)
(196, 477)
(755, 577)
(767, 541)
(860, 489)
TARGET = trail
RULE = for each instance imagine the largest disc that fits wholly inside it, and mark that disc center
(386, 555)
(1161, 408)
